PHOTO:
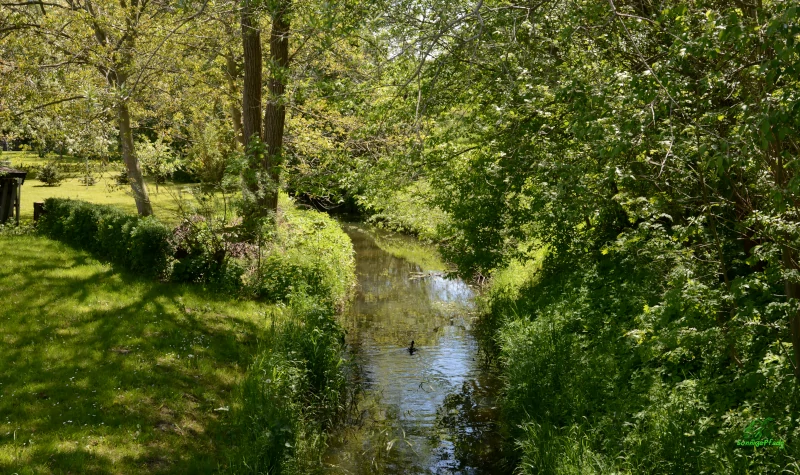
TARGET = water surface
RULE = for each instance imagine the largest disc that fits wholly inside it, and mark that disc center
(427, 412)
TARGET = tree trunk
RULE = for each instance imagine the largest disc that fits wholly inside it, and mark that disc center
(275, 114)
(251, 94)
(131, 162)
(235, 106)
(252, 193)
(793, 292)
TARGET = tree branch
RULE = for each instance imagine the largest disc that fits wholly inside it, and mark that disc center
(73, 98)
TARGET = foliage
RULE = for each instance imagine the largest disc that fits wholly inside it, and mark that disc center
(212, 149)
(408, 210)
(308, 254)
(157, 159)
(258, 187)
(624, 173)
(49, 174)
(293, 393)
(137, 244)
(207, 251)
(648, 147)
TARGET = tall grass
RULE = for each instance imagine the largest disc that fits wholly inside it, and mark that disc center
(295, 390)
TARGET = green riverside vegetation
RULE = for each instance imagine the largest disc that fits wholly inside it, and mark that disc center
(106, 372)
(621, 176)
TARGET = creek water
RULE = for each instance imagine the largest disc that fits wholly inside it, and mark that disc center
(428, 411)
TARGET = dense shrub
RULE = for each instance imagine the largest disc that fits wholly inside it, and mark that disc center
(614, 363)
(207, 251)
(49, 174)
(308, 254)
(139, 244)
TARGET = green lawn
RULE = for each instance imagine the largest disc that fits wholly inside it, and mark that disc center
(33, 158)
(165, 201)
(103, 373)
(165, 198)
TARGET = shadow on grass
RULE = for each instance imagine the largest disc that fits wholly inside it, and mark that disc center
(101, 372)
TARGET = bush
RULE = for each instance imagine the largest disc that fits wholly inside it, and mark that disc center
(212, 147)
(310, 255)
(613, 363)
(50, 174)
(141, 245)
(206, 254)
(122, 178)
(87, 180)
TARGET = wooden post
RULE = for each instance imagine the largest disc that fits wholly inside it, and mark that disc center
(18, 186)
(38, 210)
(5, 186)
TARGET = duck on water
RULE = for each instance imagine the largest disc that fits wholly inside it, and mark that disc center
(411, 349)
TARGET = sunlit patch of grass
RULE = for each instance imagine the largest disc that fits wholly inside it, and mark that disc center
(103, 373)
(33, 158)
(166, 201)
(166, 198)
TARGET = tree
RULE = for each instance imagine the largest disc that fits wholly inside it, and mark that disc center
(264, 145)
(114, 50)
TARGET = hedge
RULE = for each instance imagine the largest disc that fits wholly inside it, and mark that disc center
(141, 245)
(309, 254)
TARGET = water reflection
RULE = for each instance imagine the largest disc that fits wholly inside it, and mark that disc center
(427, 412)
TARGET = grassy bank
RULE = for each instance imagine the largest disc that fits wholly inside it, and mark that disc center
(102, 371)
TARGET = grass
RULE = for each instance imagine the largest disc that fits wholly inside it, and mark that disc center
(165, 202)
(33, 158)
(165, 199)
(101, 372)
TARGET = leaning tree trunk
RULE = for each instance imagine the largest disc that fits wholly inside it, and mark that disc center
(275, 114)
(138, 185)
(117, 77)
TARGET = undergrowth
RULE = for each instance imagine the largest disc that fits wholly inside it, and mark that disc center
(614, 363)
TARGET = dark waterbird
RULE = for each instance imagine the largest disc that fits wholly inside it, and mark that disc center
(411, 349)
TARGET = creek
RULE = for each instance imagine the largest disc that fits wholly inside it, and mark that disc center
(432, 410)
